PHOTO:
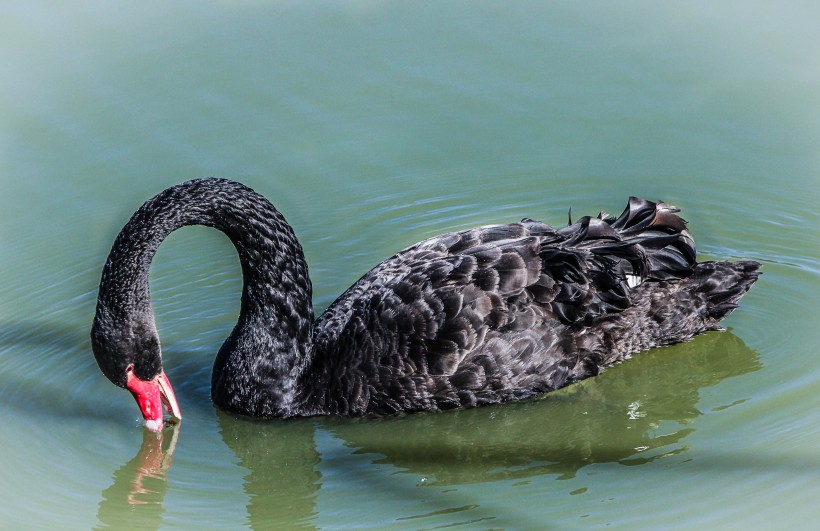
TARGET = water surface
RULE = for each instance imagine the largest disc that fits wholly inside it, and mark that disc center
(371, 126)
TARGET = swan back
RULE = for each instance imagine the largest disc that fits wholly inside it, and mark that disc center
(507, 311)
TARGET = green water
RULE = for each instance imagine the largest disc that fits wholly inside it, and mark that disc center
(372, 125)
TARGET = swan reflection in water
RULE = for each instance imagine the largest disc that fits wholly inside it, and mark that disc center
(635, 413)
(140, 484)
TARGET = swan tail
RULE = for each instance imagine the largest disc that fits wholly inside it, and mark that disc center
(722, 284)
(644, 261)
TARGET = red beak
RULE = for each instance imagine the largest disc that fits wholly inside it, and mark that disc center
(151, 396)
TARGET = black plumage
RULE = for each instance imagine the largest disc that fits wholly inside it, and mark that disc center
(467, 318)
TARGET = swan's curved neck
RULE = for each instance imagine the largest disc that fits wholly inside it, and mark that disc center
(268, 349)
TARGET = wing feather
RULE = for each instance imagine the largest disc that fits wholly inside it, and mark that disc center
(491, 313)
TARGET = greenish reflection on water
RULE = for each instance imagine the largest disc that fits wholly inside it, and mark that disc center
(639, 413)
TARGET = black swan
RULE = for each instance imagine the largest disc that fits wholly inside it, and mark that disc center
(474, 317)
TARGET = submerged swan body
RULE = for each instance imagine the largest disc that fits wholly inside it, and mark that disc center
(467, 318)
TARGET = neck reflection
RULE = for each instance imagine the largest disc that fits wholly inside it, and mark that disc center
(283, 480)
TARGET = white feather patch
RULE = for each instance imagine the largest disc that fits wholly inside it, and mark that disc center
(633, 281)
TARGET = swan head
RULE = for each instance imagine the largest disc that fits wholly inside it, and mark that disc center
(128, 354)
